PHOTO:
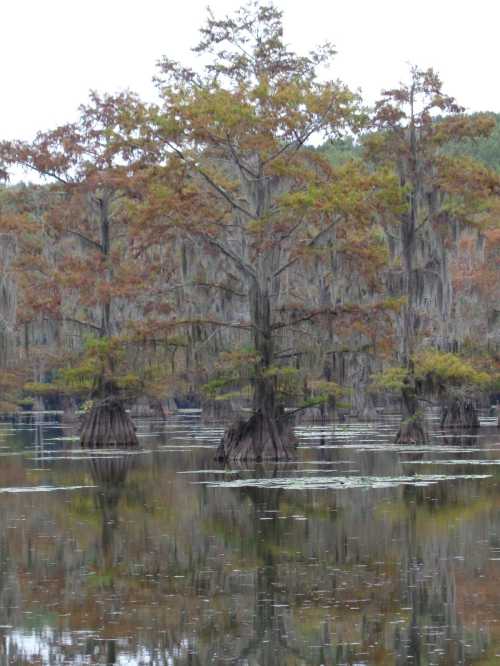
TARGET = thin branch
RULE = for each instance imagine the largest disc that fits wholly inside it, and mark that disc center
(212, 285)
(312, 242)
(86, 239)
(279, 152)
(299, 141)
(422, 224)
(211, 322)
(317, 313)
(361, 350)
(82, 323)
(238, 161)
(242, 265)
(225, 195)
(291, 231)
(211, 182)
(44, 172)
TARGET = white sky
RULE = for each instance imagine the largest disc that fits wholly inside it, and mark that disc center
(54, 51)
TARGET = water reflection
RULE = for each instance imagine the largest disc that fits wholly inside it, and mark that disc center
(109, 475)
(136, 559)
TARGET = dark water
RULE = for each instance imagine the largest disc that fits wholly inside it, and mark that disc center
(360, 553)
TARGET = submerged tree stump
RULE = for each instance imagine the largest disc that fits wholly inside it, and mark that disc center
(258, 438)
(108, 424)
(460, 413)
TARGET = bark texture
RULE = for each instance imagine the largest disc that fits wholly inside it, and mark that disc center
(258, 438)
(459, 413)
(108, 424)
(8, 300)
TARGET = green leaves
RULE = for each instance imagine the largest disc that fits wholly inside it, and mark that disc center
(450, 370)
(391, 380)
(434, 371)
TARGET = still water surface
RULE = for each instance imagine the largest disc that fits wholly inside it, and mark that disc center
(361, 552)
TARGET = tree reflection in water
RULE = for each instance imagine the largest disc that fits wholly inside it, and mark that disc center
(109, 474)
(155, 565)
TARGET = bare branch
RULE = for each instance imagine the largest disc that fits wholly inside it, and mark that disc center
(72, 320)
(299, 141)
(422, 224)
(240, 263)
(312, 242)
(238, 161)
(246, 326)
(220, 190)
(225, 194)
(86, 239)
(211, 285)
(311, 315)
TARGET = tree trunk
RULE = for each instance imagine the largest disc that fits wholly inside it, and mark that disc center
(107, 425)
(267, 434)
(412, 429)
(459, 413)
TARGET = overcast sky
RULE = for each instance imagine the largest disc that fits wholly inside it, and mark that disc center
(54, 51)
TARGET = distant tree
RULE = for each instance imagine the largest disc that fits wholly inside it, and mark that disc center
(340, 151)
(484, 149)
(85, 237)
(456, 383)
(452, 380)
(440, 190)
(476, 283)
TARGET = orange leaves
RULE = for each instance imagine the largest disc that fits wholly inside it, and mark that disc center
(472, 191)
(456, 128)
(466, 177)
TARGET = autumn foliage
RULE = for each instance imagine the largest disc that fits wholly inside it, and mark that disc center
(204, 245)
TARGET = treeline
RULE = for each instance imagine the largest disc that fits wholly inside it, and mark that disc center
(203, 249)
(484, 149)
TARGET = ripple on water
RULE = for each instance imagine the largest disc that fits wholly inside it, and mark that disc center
(42, 489)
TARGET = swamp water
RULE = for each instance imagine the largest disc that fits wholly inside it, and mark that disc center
(361, 552)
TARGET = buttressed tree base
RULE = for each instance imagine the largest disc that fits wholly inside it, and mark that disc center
(108, 425)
